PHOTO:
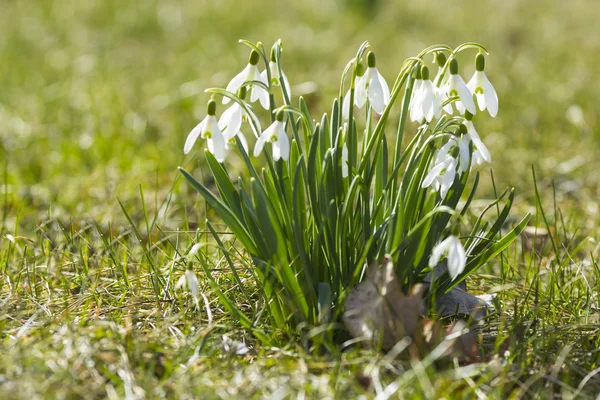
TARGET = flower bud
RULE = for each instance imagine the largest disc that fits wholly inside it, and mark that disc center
(479, 62)
(371, 62)
(454, 66)
(279, 116)
(440, 59)
(242, 93)
(211, 107)
(254, 57)
(425, 72)
(360, 69)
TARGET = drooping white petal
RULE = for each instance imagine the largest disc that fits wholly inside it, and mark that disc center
(346, 106)
(447, 179)
(260, 143)
(226, 116)
(276, 150)
(284, 144)
(258, 92)
(234, 123)
(480, 151)
(193, 136)
(435, 172)
(464, 155)
(375, 91)
(234, 85)
(360, 90)
(491, 98)
(385, 89)
(192, 282)
(264, 138)
(216, 141)
(344, 161)
(428, 101)
(415, 109)
(457, 259)
(455, 253)
(466, 97)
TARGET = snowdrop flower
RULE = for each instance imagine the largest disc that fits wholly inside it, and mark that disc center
(208, 129)
(455, 253)
(457, 148)
(415, 111)
(190, 280)
(276, 79)
(360, 71)
(249, 74)
(480, 153)
(480, 86)
(456, 87)
(441, 176)
(372, 86)
(233, 346)
(276, 135)
(426, 101)
(231, 122)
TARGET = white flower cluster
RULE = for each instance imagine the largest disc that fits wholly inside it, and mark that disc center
(220, 135)
(454, 157)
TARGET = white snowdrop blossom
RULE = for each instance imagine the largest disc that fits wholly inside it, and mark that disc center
(249, 74)
(372, 86)
(456, 87)
(276, 77)
(415, 111)
(190, 280)
(233, 346)
(481, 87)
(275, 134)
(360, 71)
(425, 103)
(454, 252)
(480, 152)
(457, 148)
(450, 160)
(231, 122)
(208, 129)
(441, 176)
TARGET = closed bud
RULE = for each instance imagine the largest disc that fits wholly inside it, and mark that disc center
(211, 107)
(440, 59)
(371, 62)
(254, 57)
(479, 62)
(454, 67)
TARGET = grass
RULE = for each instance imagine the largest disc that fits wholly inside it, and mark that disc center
(96, 101)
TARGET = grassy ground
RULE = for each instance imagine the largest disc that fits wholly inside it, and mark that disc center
(96, 101)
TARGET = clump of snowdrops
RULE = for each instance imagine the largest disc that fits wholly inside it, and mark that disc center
(326, 197)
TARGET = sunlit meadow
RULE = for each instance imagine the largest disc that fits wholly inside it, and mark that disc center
(113, 283)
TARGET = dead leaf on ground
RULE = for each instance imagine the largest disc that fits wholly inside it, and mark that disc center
(378, 311)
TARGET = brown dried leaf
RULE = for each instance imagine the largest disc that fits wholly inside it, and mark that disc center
(378, 311)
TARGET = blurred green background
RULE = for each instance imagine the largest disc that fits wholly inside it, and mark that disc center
(97, 97)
